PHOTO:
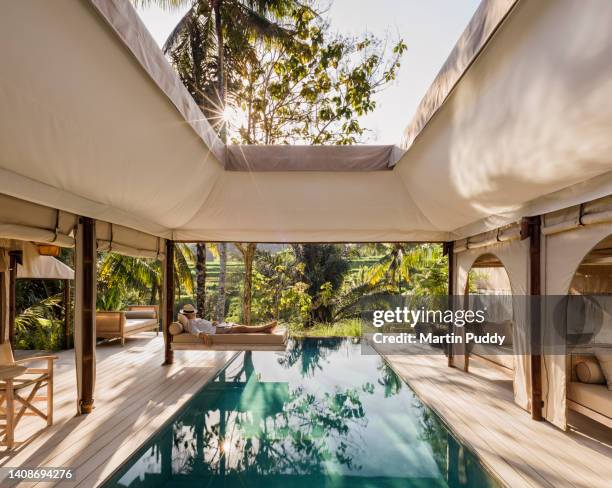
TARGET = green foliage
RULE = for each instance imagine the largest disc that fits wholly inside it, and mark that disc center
(278, 292)
(323, 267)
(38, 326)
(340, 328)
(193, 45)
(124, 280)
(312, 87)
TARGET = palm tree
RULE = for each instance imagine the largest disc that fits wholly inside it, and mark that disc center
(119, 275)
(198, 46)
(400, 262)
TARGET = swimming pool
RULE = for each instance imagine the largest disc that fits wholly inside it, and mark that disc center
(319, 414)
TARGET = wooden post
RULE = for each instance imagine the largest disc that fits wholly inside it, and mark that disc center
(531, 227)
(85, 316)
(3, 308)
(449, 251)
(168, 301)
(15, 258)
(66, 304)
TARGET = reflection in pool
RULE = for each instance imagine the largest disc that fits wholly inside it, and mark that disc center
(319, 414)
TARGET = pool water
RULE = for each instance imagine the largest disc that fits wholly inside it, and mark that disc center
(319, 414)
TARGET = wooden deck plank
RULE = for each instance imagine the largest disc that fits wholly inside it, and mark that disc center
(134, 396)
(478, 406)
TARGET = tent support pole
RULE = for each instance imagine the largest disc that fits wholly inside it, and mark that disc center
(448, 249)
(66, 304)
(531, 227)
(15, 258)
(85, 316)
(168, 301)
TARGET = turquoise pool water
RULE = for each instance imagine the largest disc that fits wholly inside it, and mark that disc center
(319, 414)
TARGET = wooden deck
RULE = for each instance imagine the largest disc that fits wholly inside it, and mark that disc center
(479, 408)
(134, 396)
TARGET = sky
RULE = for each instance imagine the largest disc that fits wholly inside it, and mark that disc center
(430, 28)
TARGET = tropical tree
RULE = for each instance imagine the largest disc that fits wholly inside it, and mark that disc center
(208, 47)
(247, 250)
(200, 277)
(121, 276)
(324, 267)
(311, 88)
(409, 265)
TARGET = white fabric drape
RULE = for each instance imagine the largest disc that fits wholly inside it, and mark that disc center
(564, 251)
(129, 242)
(514, 255)
(26, 221)
(35, 266)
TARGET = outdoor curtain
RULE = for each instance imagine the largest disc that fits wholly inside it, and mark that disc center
(514, 255)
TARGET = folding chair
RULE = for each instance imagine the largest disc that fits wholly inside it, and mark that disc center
(19, 390)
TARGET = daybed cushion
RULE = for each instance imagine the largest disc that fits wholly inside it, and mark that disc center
(175, 328)
(136, 324)
(275, 338)
(604, 357)
(589, 371)
(140, 314)
(595, 397)
(182, 319)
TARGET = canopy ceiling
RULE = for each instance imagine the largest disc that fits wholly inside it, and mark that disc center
(95, 122)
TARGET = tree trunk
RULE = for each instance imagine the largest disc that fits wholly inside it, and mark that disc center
(153, 296)
(247, 295)
(220, 312)
(216, 4)
(200, 278)
(220, 68)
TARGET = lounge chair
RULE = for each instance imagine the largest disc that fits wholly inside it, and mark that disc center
(253, 341)
(119, 325)
(20, 390)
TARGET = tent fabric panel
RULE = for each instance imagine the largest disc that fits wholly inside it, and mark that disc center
(35, 266)
(23, 233)
(481, 27)
(593, 212)
(124, 155)
(308, 158)
(19, 212)
(507, 137)
(314, 207)
(126, 22)
(514, 255)
(564, 252)
(129, 242)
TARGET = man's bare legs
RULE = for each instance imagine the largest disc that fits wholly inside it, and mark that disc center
(245, 329)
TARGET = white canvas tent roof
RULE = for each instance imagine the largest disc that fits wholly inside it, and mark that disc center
(36, 266)
(95, 122)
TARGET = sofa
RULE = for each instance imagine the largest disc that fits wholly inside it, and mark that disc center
(590, 397)
(133, 320)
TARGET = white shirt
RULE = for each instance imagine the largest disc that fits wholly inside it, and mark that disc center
(197, 326)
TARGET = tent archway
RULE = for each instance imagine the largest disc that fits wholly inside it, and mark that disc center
(489, 278)
(564, 252)
(513, 254)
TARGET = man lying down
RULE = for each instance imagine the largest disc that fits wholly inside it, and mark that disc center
(203, 328)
